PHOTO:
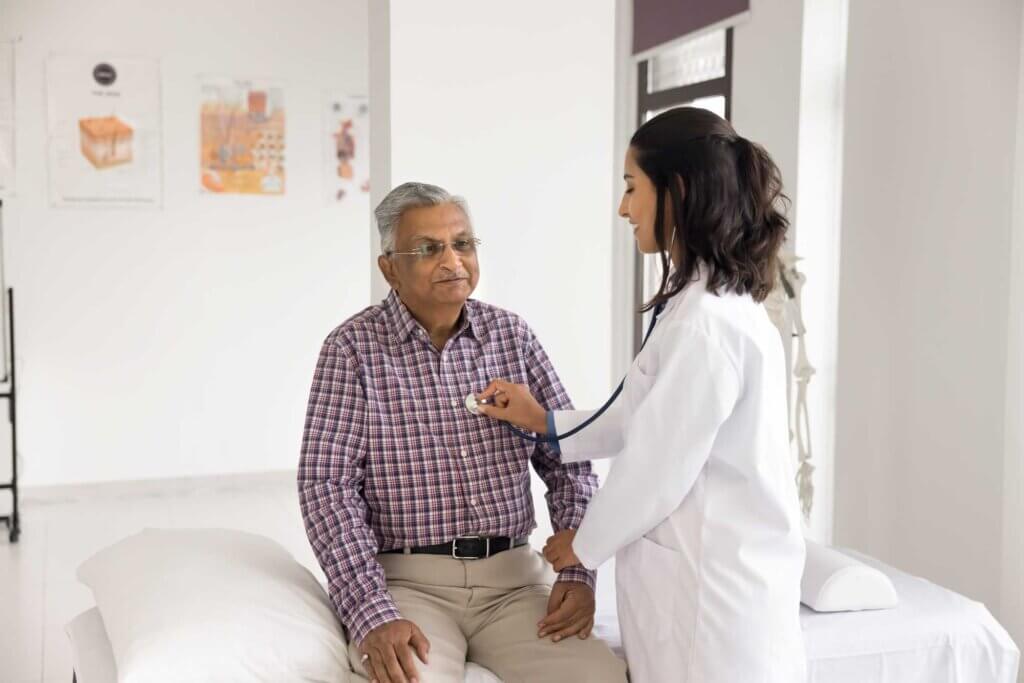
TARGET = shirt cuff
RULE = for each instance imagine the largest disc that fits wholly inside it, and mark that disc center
(376, 610)
(579, 575)
(552, 432)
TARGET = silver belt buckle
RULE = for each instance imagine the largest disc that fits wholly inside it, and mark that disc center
(455, 546)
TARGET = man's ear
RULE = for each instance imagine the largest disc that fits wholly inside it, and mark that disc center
(387, 269)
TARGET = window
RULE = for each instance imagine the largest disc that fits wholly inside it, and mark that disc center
(696, 73)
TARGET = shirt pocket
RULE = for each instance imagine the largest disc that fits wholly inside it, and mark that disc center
(402, 421)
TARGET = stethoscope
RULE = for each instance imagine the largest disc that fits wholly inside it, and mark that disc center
(472, 401)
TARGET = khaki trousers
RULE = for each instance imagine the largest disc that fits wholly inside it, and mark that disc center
(486, 611)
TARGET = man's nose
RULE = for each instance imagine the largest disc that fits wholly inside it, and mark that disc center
(450, 258)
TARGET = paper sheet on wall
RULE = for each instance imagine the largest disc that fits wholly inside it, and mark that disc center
(105, 131)
(242, 137)
(346, 141)
(6, 118)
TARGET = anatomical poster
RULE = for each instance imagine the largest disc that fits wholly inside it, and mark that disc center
(104, 126)
(346, 141)
(242, 137)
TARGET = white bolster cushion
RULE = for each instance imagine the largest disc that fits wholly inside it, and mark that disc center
(834, 582)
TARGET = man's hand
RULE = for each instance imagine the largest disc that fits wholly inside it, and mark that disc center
(514, 403)
(387, 652)
(558, 550)
(570, 611)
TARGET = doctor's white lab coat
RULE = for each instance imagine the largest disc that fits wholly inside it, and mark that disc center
(699, 507)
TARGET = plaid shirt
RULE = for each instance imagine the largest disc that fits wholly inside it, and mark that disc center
(391, 458)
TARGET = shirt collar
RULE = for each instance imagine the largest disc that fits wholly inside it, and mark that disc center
(403, 324)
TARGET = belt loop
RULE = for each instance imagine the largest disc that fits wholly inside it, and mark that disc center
(407, 550)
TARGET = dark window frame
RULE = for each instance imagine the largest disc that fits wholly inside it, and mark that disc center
(663, 99)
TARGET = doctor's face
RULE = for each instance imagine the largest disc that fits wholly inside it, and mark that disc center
(441, 280)
(638, 205)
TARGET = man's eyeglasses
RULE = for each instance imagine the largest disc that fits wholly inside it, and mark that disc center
(433, 250)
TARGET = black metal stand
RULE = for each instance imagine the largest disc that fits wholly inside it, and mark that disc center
(12, 521)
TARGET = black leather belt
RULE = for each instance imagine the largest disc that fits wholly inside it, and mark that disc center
(465, 547)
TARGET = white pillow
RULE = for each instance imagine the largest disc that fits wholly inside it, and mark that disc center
(213, 605)
(834, 582)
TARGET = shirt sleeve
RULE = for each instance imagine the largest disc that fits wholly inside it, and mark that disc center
(570, 486)
(668, 440)
(330, 482)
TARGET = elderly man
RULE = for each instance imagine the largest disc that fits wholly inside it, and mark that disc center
(418, 511)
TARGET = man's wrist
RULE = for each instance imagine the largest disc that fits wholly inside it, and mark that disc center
(578, 575)
(375, 612)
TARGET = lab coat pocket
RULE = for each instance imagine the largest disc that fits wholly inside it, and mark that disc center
(649, 583)
(653, 615)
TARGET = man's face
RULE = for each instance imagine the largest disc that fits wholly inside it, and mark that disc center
(444, 279)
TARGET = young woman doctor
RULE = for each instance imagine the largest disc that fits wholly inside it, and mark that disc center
(699, 507)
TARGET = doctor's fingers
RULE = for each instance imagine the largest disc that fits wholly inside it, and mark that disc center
(564, 562)
(554, 551)
(496, 386)
(551, 551)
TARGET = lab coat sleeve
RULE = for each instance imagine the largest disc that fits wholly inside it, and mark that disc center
(603, 438)
(668, 440)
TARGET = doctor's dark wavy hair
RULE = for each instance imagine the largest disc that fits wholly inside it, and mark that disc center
(728, 208)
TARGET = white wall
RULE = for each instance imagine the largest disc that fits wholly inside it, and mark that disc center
(766, 83)
(517, 115)
(780, 99)
(180, 342)
(1012, 607)
(525, 136)
(822, 88)
(930, 125)
(380, 133)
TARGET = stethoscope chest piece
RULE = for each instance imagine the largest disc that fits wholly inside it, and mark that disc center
(472, 402)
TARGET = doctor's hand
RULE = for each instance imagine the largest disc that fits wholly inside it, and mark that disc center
(558, 550)
(570, 611)
(514, 403)
(388, 652)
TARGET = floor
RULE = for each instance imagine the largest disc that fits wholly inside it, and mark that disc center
(63, 526)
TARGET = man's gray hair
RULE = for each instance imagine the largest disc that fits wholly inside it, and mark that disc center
(410, 196)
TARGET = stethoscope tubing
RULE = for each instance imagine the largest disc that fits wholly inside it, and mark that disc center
(554, 438)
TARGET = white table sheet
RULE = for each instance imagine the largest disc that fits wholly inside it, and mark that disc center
(933, 636)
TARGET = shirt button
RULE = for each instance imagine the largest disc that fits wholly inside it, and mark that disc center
(472, 501)
(464, 453)
(455, 403)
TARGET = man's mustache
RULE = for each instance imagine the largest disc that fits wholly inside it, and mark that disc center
(453, 277)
